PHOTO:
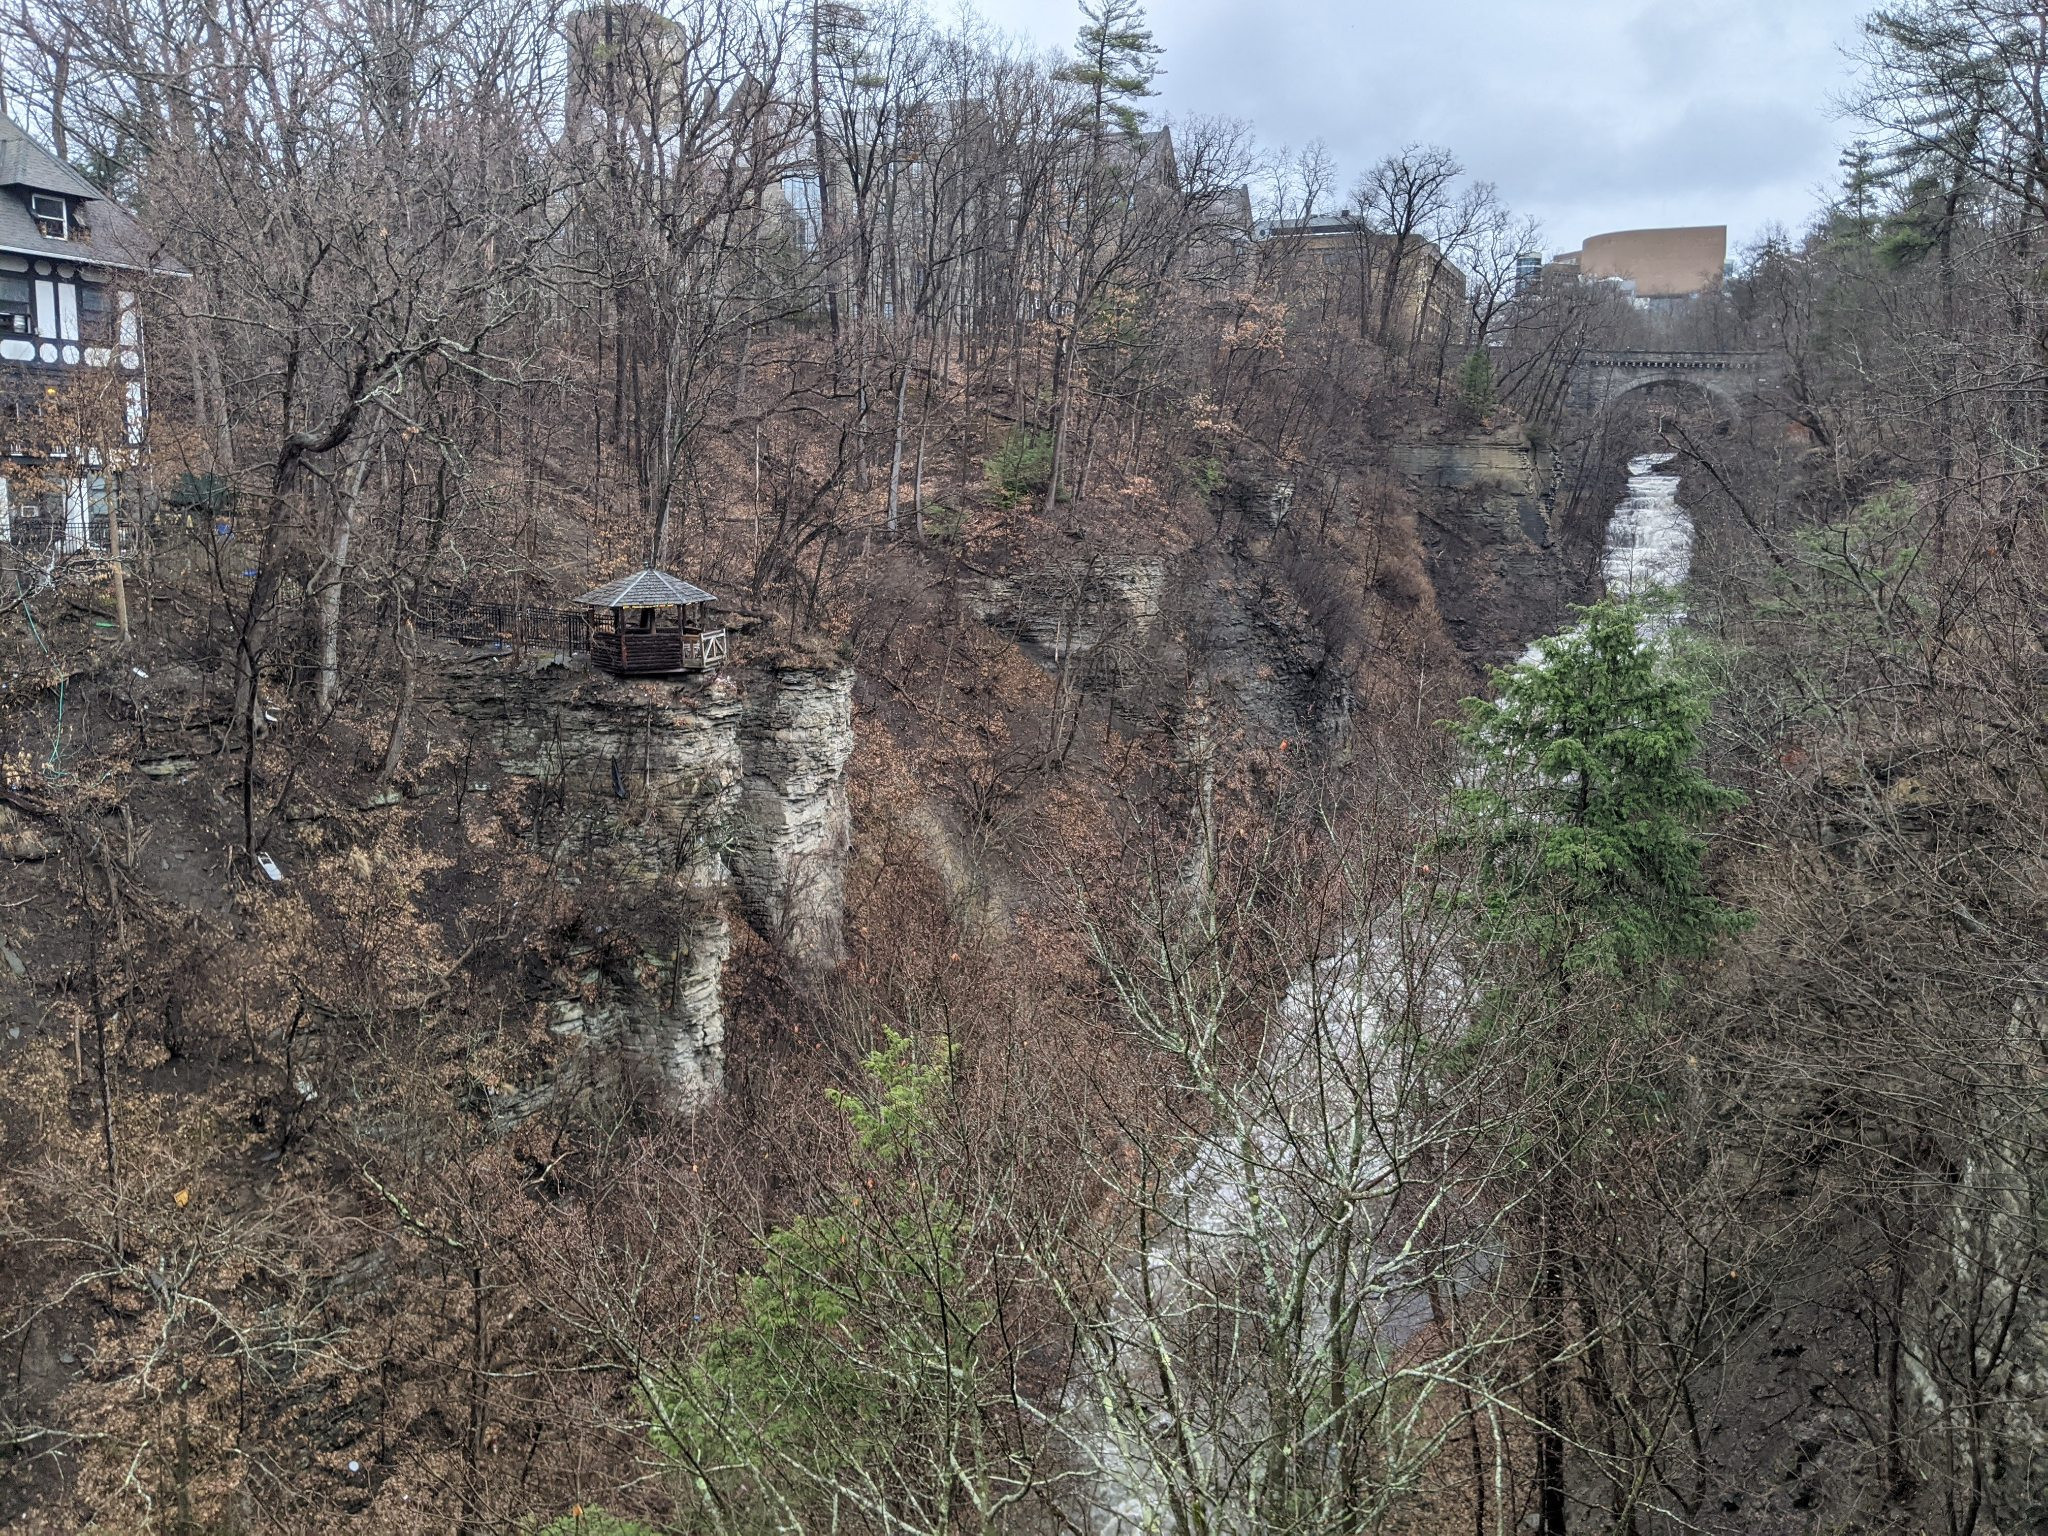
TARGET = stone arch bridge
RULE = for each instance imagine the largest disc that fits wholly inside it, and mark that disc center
(1734, 378)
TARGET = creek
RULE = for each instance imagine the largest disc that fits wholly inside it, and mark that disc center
(1323, 1122)
(1649, 537)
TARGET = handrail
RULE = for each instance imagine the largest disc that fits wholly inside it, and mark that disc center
(466, 622)
(657, 650)
(1675, 359)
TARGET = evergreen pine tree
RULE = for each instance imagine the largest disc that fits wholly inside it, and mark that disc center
(1854, 218)
(1475, 387)
(1587, 802)
(1116, 59)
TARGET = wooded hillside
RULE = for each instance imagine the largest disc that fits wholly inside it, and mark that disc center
(1107, 1014)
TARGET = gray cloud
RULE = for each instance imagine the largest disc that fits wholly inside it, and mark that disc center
(1591, 114)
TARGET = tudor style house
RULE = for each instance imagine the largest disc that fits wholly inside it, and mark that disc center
(73, 398)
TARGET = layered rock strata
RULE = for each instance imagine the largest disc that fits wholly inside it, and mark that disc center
(656, 799)
(1075, 608)
(1490, 540)
(789, 839)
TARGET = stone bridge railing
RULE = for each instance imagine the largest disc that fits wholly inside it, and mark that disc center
(1702, 362)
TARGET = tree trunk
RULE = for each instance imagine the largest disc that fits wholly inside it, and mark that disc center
(1087, 456)
(896, 453)
(394, 747)
(117, 579)
(330, 596)
(1550, 1448)
(1060, 372)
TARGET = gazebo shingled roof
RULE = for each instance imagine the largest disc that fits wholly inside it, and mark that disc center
(644, 589)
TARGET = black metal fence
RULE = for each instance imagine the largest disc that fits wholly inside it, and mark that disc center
(38, 527)
(502, 626)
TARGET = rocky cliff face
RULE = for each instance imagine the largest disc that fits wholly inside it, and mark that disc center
(1125, 622)
(1493, 552)
(1078, 606)
(658, 798)
(789, 839)
(1256, 643)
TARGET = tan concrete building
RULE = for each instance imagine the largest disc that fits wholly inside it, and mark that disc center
(1430, 288)
(1656, 263)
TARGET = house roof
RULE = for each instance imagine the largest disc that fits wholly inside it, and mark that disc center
(24, 164)
(113, 238)
(644, 589)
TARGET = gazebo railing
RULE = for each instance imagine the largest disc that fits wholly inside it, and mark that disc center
(513, 627)
(651, 651)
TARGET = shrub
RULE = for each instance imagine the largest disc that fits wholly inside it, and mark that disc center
(1475, 387)
(945, 523)
(595, 1522)
(1022, 466)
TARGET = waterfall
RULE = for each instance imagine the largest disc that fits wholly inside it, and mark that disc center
(1324, 1121)
(1649, 538)
(1648, 547)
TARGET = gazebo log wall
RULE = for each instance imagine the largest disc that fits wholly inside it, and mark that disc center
(639, 653)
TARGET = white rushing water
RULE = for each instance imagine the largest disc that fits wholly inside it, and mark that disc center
(1321, 1122)
(1648, 547)
(1649, 538)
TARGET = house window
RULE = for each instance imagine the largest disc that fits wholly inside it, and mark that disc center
(36, 520)
(800, 197)
(52, 215)
(95, 314)
(17, 306)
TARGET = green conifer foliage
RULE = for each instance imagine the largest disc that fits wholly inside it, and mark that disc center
(1475, 387)
(1586, 804)
(846, 1382)
(1116, 60)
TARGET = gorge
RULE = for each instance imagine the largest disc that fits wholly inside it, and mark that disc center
(780, 770)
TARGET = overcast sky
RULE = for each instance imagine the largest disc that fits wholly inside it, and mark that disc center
(1594, 115)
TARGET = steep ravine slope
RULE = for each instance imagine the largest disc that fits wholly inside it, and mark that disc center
(1495, 549)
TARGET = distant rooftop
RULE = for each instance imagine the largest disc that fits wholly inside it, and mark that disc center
(1659, 263)
(1344, 223)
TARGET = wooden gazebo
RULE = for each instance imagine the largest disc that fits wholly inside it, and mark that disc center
(649, 623)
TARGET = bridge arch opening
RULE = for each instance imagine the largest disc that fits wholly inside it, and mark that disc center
(1707, 389)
